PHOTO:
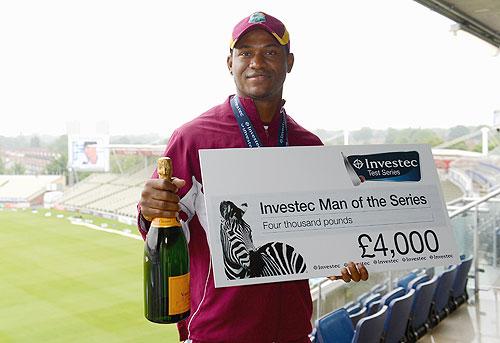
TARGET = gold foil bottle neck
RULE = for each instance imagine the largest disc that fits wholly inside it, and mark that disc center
(164, 168)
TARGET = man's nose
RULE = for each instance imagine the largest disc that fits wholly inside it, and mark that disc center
(257, 61)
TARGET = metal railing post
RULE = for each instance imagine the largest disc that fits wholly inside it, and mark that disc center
(495, 246)
(318, 307)
(476, 249)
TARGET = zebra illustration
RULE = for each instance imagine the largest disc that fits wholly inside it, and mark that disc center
(242, 259)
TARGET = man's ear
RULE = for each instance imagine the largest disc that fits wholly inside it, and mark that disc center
(230, 63)
(290, 59)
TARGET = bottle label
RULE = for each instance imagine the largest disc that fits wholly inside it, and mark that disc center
(165, 222)
(179, 297)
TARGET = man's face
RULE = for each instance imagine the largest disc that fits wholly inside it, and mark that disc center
(259, 65)
(91, 153)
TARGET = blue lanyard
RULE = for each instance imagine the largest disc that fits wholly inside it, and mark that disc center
(248, 131)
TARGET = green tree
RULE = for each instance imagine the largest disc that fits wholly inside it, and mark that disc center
(457, 131)
(426, 136)
(413, 136)
(2, 166)
(364, 135)
(35, 142)
(126, 162)
(57, 166)
(60, 145)
(459, 146)
(18, 169)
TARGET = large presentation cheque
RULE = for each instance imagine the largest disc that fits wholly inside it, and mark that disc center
(277, 214)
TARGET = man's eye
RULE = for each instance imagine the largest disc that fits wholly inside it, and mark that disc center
(244, 53)
(271, 52)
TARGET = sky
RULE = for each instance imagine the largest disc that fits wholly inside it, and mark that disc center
(150, 66)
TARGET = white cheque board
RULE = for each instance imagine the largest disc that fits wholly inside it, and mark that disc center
(277, 214)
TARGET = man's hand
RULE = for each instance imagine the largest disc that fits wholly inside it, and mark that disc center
(354, 272)
(158, 198)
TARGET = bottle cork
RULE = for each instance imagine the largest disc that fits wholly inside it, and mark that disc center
(164, 168)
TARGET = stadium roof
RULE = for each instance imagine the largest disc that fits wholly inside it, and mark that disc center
(455, 153)
(137, 149)
(478, 17)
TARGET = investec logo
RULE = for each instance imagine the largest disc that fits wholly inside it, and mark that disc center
(394, 166)
(357, 163)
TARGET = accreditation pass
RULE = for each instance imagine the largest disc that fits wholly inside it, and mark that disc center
(278, 214)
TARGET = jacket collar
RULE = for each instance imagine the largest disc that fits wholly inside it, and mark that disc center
(253, 114)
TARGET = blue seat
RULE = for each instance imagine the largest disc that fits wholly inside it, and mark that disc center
(397, 318)
(336, 327)
(355, 317)
(385, 300)
(371, 303)
(370, 328)
(403, 282)
(380, 289)
(430, 272)
(421, 307)
(442, 295)
(373, 307)
(354, 308)
(395, 293)
(416, 281)
(363, 296)
(459, 289)
(349, 304)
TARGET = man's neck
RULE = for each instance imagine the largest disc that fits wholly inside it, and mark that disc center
(266, 108)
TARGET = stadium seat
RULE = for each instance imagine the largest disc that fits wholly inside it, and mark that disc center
(386, 299)
(380, 288)
(355, 317)
(398, 314)
(363, 296)
(370, 301)
(370, 328)
(459, 289)
(416, 281)
(430, 272)
(335, 327)
(442, 295)
(354, 308)
(419, 315)
(403, 282)
(349, 304)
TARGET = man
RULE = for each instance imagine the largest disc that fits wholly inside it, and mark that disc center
(259, 60)
(90, 152)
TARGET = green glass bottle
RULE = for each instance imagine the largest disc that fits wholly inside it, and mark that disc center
(166, 266)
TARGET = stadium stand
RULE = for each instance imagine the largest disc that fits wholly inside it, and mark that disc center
(109, 193)
(409, 313)
(27, 190)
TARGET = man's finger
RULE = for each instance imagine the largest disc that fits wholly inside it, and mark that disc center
(345, 275)
(164, 196)
(150, 214)
(179, 183)
(363, 272)
(353, 271)
(163, 185)
(162, 205)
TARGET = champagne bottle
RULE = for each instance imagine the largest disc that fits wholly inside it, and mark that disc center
(166, 266)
